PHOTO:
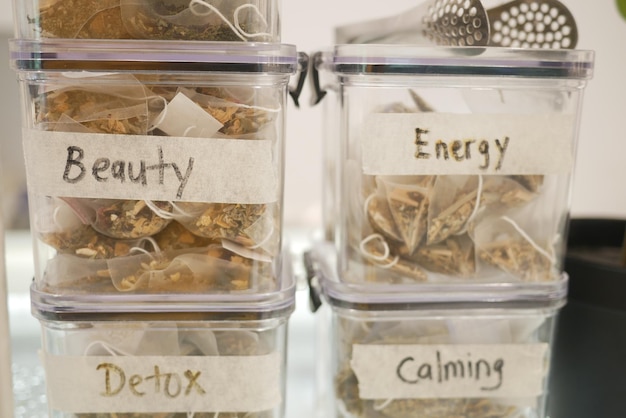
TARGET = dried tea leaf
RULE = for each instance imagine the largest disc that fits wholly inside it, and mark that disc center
(518, 257)
(380, 218)
(453, 256)
(380, 256)
(127, 219)
(176, 237)
(409, 209)
(84, 241)
(222, 220)
(98, 19)
(452, 219)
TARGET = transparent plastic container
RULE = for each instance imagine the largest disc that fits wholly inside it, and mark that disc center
(193, 20)
(399, 351)
(454, 164)
(154, 167)
(222, 357)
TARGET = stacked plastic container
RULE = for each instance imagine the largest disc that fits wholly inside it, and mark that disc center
(153, 134)
(448, 179)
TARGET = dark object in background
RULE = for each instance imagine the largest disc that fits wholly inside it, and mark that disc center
(589, 361)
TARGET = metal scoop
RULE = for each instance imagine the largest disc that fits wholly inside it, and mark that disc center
(518, 23)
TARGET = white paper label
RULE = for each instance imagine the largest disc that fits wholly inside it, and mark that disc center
(445, 371)
(111, 166)
(153, 384)
(444, 143)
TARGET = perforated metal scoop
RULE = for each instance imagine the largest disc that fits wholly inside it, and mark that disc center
(532, 24)
(518, 23)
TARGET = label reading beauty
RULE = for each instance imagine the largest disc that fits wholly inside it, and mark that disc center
(152, 384)
(443, 371)
(150, 167)
(444, 143)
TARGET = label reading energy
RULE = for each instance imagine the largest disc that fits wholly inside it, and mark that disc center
(446, 143)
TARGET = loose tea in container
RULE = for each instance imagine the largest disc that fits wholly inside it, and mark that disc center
(221, 357)
(455, 162)
(156, 182)
(194, 20)
(420, 350)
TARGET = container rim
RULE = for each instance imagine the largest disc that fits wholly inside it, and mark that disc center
(381, 59)
(400, 297)
(176, 56)
(220, 306)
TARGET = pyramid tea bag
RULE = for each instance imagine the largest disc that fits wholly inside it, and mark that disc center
(453, 202)
(117, 109)
(504, 244)
(454, 256)
(392, 267)
(408, 199)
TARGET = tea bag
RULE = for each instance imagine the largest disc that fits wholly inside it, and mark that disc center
(78, 275)
(454, 201)
(239, 343)
(453, 256)
(240, 120)
(377, 252)
(87, 19)
(224, 221)
(210, 20)
(121, 219)
(209, 269)
(121, 108)
(408, 202)
(501, 193)
(183, 117)
(197, 343)
(502, 243)
(106, 340)
(380, 218)
(176, 237)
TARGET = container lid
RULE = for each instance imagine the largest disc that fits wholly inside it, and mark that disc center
(133, 55)
(247, 305)
(379, 59)
(324, 281)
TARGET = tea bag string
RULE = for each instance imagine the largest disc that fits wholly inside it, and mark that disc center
(258, 13)
(235, 28)
(386, 252)
(155, 247)
(528, 238)
(264, 240)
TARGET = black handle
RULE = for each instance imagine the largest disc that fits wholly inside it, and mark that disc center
(303, 60)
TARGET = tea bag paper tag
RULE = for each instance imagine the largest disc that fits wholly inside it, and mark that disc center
(446, 143)
(445, 371)
(111, 166)
(158, 384)
(182, 117)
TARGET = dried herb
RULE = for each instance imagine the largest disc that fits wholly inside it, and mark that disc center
(454, 256)
(453, 219)
(126, 219)
(518, 257)
(84, 241)
(347, 390)
(103, 19)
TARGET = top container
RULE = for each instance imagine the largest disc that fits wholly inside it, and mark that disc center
(214, 20)
(154, 167)
(453, 164)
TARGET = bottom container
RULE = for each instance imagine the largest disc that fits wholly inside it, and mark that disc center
(223, 358)
(417, 351)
